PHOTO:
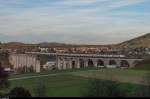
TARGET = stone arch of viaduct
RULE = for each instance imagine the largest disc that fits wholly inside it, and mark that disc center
(64, 62)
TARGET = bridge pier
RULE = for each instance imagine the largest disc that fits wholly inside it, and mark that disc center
(58, 63)
(85, 62)
(118, 63)
(64, 64)
(131, 63)
(38, 67)
(68, 64)
(77, 63)
(106, 62)
(95, 62)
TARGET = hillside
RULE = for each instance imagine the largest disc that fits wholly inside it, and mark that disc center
(142, 41)
(65, 45)
(52, 44)
(16, 45)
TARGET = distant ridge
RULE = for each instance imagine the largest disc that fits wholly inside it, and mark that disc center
(55, 44)
(14, 43)
(142, 41)
(51, 44)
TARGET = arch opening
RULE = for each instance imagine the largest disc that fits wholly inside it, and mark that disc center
(100, 63)
(125, 63)
(112, 62)
(73, 64)
(90, 63)
(61, 64)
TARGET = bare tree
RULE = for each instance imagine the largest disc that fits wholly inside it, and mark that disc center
(3, 78)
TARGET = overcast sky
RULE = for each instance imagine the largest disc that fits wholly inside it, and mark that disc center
(73, 21)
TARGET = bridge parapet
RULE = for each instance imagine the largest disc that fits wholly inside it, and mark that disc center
(79, 55)
(87, 55)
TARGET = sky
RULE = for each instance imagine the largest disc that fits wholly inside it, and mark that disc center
(73, 21)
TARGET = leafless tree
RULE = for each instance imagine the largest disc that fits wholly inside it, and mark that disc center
(3, 78)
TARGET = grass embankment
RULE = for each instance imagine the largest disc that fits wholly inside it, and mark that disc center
(143, 67)
(73, 84)
(67, 85)
(61, 85)
(50, 72)
(121, 75)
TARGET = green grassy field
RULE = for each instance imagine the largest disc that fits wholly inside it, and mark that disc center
(72, 82)
(143, 67)
(51, 72)
(61, 85)
(66, 85)
(121, 75)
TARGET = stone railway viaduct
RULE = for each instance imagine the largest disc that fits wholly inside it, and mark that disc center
(69, 61)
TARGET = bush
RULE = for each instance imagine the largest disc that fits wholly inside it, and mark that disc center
(3, 78)
(19, 92)
(99, 88)
(1, 94)
(145, 91)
